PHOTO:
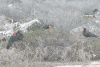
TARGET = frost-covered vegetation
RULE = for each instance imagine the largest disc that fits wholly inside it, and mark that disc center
(64, 42)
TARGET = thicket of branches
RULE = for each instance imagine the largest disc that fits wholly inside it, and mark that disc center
(61, 14)
(57, 44)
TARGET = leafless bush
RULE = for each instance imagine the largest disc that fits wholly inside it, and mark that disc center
(66, 15)
(51, 45)
(57, 44)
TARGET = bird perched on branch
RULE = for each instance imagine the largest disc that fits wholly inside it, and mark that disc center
(17, 36)
(88, 34)
(47, 27)
(95, 10)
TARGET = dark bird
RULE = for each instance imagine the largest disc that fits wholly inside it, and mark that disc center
(95, 10)
(18, 36)
(88, 34)
(47, 27)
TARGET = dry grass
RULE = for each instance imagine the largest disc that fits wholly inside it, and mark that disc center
(49, 45)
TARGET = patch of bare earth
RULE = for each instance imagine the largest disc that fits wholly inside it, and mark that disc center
(77, 64)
